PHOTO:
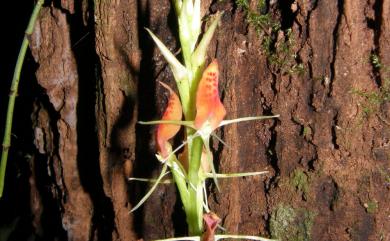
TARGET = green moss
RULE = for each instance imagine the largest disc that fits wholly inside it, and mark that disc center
(385, 174)
(307, 131)
(280, 55)
(371, 206)
(300, 181)
(291, 224)
(374, 99)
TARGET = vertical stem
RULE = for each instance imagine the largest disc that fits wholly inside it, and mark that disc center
(13, 93)
(194, 217)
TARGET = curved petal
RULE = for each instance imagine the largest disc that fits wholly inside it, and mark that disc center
(167, 131)
(209, 108)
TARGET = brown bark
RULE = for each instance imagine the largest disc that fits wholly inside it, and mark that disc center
(57, 74)
(327, 162)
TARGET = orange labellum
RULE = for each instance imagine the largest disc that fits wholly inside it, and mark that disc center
(167, 131)
(209, 109)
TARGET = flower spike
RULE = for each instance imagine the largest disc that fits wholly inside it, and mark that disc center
(167, 131)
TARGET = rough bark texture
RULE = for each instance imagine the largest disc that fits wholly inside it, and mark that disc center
(328, 160)
(57, 75)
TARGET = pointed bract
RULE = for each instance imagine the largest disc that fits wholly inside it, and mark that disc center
(167, 131)
(199, 55)
(209, 109)
(178, 70)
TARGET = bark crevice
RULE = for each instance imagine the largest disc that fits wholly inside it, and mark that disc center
(340, 12)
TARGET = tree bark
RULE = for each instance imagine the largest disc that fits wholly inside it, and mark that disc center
(327, 156)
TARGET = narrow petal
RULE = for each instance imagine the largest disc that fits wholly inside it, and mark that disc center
(209, 109)
(167, 131)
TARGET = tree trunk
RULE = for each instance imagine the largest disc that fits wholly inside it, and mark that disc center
(327, 155)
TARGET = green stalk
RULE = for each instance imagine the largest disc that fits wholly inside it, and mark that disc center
(195, 187)
(13, 93)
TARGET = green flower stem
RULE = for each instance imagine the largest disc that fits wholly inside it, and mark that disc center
(13, 93)
(195, 214)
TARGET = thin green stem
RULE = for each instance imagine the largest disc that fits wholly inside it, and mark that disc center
(195, 212)
(13, 93)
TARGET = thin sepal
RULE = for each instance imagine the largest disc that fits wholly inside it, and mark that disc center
(223, 123)
(175, 122)
(249, 118)
(152, 180)
(231, 175)
(147, 195)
